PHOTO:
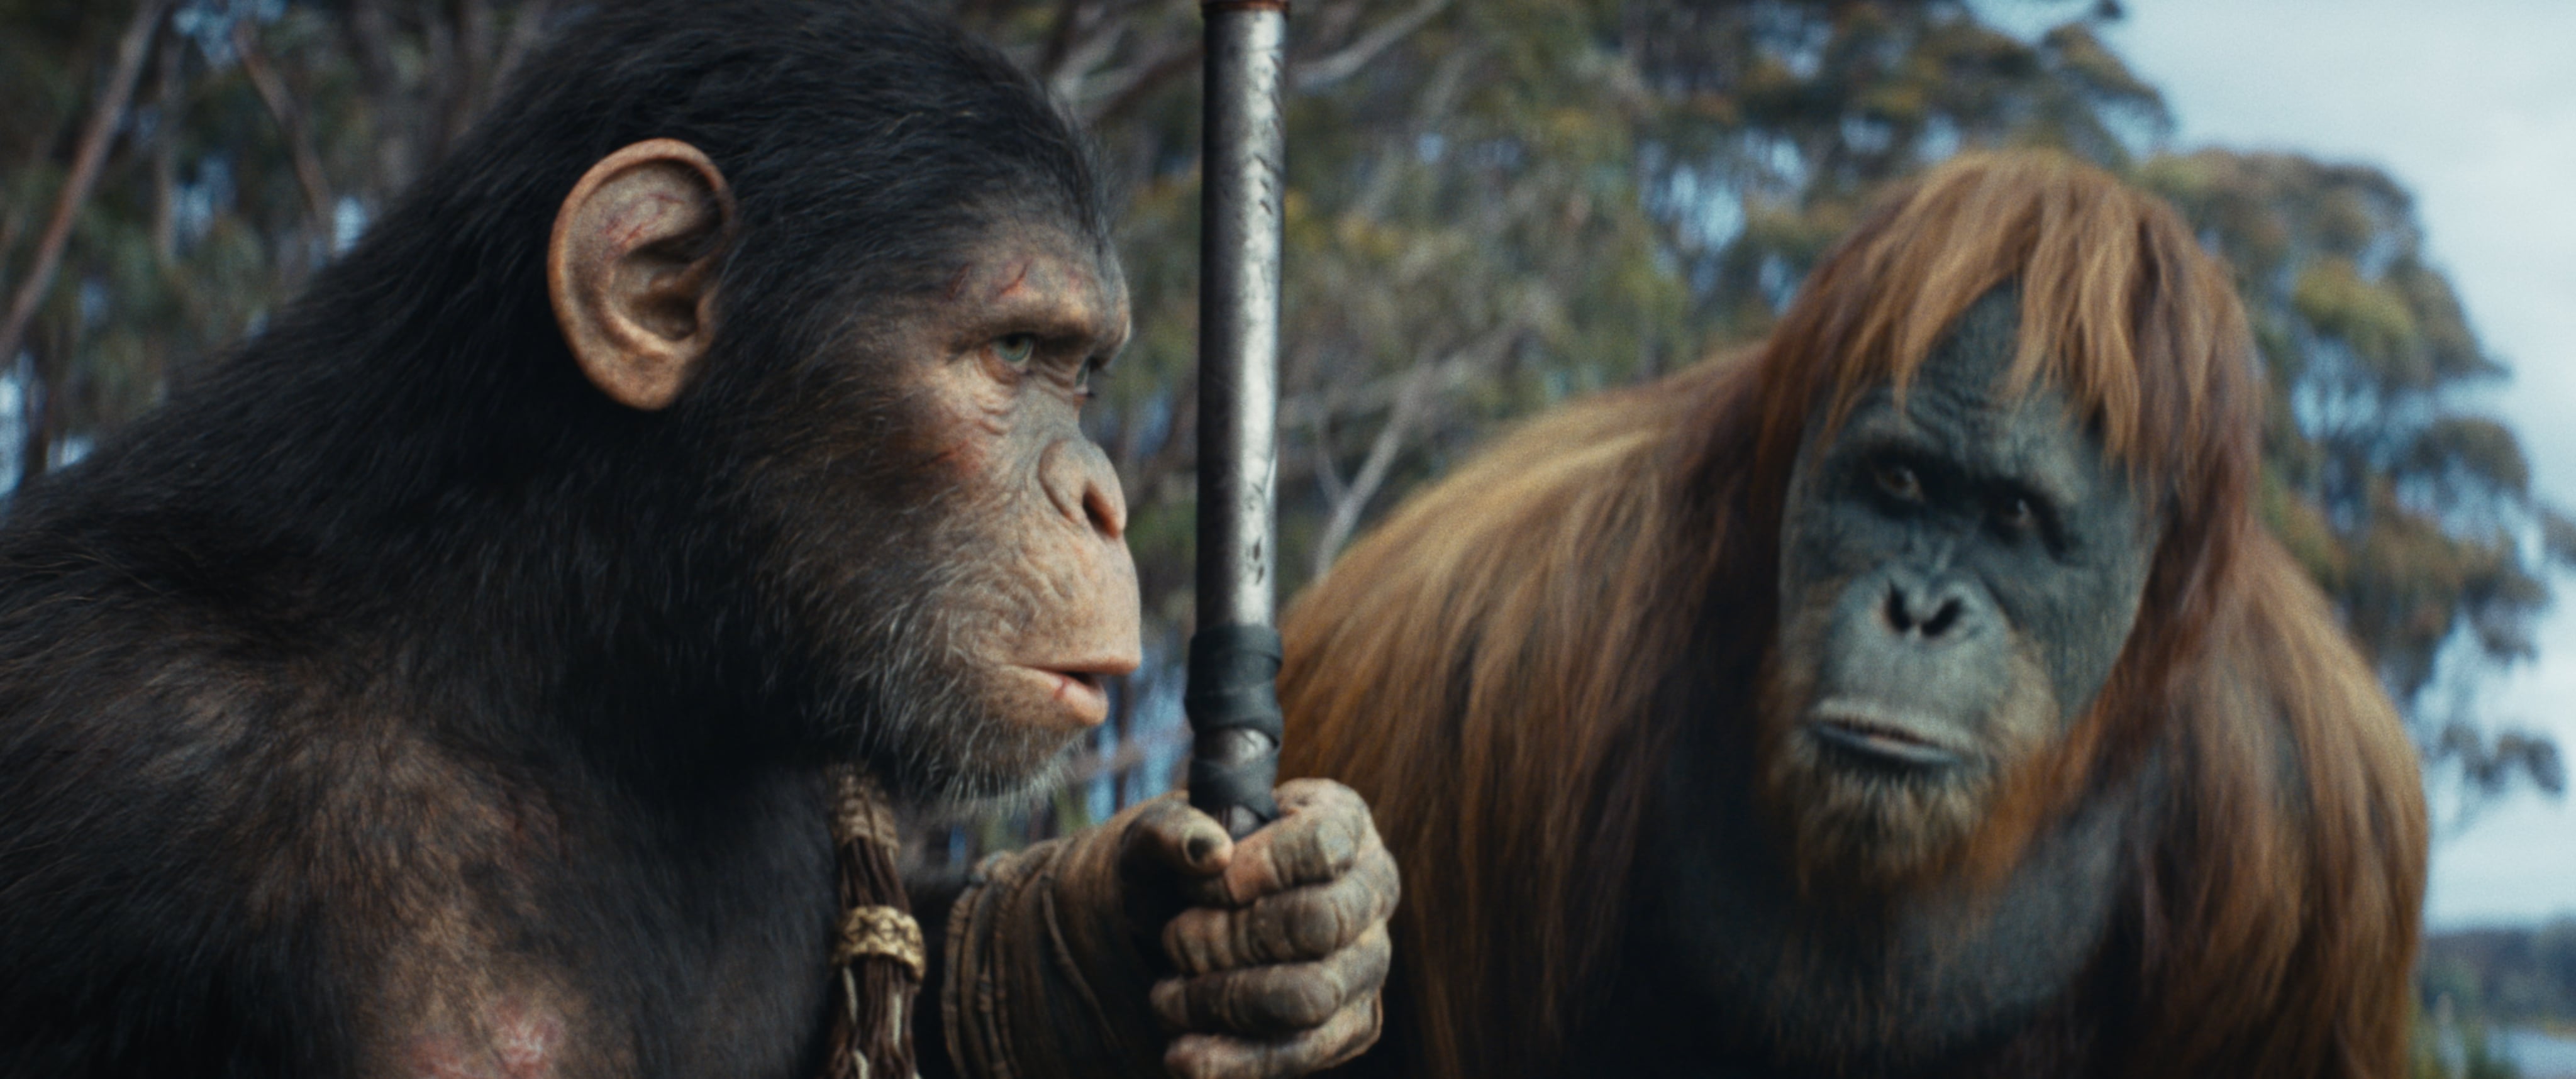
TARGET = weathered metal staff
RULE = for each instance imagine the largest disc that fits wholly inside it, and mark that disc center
(1233, 696)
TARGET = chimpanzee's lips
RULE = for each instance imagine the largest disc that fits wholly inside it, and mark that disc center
(1080, 689)
(1881, 736)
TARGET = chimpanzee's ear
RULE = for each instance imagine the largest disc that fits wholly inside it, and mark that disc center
(632, 268)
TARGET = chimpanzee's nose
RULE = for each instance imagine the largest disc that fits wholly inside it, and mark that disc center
(1081, 483)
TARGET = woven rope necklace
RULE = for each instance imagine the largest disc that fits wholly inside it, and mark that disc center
(877, 957)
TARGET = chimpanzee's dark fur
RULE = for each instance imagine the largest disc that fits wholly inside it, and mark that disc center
(392, 598)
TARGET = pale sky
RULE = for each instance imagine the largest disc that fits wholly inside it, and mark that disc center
(2471, 104)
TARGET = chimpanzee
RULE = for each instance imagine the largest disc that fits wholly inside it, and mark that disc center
(460, 677)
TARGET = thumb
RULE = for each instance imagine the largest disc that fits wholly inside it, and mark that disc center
(1168, 835)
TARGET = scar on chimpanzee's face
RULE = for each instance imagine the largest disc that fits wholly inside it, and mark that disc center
(1041, 288)
(1017, 334)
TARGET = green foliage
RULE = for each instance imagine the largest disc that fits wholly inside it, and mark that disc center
(2455, 1050)
(2418, 518)
(2523, 977)
(218, 199)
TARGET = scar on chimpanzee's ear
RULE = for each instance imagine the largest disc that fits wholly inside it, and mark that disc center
(631, 268)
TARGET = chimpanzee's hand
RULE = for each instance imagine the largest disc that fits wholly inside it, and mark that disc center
(1153, 943)
(1280, 946)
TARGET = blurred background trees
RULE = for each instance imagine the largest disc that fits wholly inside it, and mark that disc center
(1495, 206)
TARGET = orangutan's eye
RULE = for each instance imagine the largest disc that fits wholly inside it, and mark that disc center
(1016, 349)
(2014, 515)
(1899, 482)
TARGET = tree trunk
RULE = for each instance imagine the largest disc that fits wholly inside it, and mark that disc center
(35, 411)
(94, 140)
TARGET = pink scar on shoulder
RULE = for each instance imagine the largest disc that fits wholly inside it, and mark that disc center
(518, 1041)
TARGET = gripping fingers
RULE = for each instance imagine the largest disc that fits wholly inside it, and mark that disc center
(1274, 1001)
(1323, 829)
(1217, 1056)
(1168, 835)
(1294, 926)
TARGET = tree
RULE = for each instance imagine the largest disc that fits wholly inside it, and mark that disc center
(2417, 517)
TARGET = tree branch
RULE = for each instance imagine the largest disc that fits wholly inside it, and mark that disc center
(92, 152)
(1059, 39)
(1381, 457)
(1327, 70)
(527, 31)
(290, 126)
(1420, 386)
(165, 156)
(1327, 476)
(1146, 78)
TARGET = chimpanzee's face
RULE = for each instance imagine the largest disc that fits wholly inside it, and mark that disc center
(998, 597)
(938, 552)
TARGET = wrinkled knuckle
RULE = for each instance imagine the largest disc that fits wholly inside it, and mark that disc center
(1270, 873)
(1249, 945)
(1316, 926)
(1327, 791)
(1188, 941)
(1308, 791)
(1379, 951)
(1374, 887)
(1201, 1057)
(1262, 935)
(1305, 1001)
(1237, 1003)
(1340, 840)
(1320, 853)
(1369, 1024)
(1364, 967)
(1169, 1000)
(1379, 940)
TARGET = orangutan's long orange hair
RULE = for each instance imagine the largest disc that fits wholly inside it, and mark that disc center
(1485, 667)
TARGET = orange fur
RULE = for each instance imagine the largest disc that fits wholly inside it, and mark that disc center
(1486, 667)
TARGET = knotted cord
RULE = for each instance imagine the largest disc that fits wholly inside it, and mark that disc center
(877, 957)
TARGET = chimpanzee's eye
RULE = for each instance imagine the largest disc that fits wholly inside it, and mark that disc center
(1898, 481)
(1016, 349)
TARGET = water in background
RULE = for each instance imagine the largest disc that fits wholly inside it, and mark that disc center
(2540, 1055)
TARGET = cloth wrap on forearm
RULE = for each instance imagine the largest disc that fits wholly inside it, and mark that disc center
(1045, 978)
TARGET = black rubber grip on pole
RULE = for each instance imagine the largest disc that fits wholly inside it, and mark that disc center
(1233, 705)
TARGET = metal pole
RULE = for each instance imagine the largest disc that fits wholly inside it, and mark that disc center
(1232, 699)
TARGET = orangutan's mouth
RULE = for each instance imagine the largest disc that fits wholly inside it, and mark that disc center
(1876, 736)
